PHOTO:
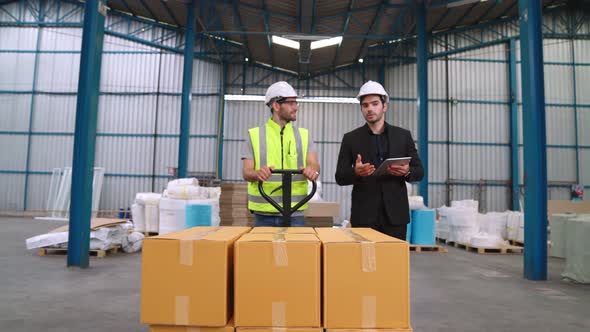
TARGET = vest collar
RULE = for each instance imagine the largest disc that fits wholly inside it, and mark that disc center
(275, 126)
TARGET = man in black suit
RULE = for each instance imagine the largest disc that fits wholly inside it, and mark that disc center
(378, 201)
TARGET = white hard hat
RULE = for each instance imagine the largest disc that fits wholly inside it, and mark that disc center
(280, 89)
(372, 88)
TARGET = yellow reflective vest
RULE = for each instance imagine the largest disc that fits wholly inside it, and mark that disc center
(283, 148)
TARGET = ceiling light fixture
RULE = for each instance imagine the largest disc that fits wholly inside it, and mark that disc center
(285, 42)
(315, 44)
(326, 42)
(462, 3)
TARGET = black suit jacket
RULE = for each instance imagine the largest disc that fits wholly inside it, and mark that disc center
(369, 193)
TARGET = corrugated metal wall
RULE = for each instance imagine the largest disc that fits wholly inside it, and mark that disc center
(469, 121)
(138, 117)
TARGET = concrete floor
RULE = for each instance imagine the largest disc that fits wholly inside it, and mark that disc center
(455, 291)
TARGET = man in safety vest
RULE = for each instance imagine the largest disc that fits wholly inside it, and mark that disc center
(278, 144)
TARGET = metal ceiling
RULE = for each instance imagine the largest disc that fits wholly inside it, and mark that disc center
(242, 29)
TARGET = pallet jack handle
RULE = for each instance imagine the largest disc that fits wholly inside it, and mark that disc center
(286, 210)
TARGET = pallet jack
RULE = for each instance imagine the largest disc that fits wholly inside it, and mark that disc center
(286, 210)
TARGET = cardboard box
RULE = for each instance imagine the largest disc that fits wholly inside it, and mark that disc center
(409, 329)
(557, 206)
(322, 209)
(187, 277)
(171, 328)
(285, 329)
(319, 221)
(284, 230)
(366, 279)
(277, 280)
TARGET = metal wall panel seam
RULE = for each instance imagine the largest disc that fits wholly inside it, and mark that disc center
(31, 114)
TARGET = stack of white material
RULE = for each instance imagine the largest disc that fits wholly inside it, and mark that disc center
(577, 251)
(462, 220)
(317, 197)
(557, 225)
(178, 195)
(515, 226)
(145, 212)
(492, 229)
(100, 239)
(442, 227)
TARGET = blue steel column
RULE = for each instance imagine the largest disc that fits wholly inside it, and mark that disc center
(220, 126)
(187, 82)
(513, 125)
(535, 147)
(85, 132)
(422, 79)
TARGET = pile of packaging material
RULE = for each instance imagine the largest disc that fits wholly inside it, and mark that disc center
(577, 249)
(514, 226)
(442, 226)
(302, 270)
(182, 195)
(492, 230)
(317, 197)
(104, 234)
(416, 202)
(146, 213)
(463, 224)
(569, 239)
(461, 219)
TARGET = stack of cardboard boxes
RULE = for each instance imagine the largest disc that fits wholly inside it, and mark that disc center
(283, 278)
(233, 205)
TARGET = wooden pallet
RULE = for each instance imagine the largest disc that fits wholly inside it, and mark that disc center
(485, 250)
(516, 243)
(64, 251)
(427, 248)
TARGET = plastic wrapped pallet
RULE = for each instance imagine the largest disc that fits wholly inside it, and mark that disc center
(132, 242)
(442, 227)
(577, 253)
(183, 182)
(466, 204)
(173, 213)
(184, 192)
(317, 197)
(515, 226)
(145, 212)
(494, 224)
(416, 203)
(462, 224)
(557, 224)
(138, 215)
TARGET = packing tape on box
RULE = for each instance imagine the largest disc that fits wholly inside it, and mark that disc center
(182, 302)
(369, 311)
(181, 313)
(186, 246)
(282, 230)
(279, 250)
(369, 260)
(279, 314)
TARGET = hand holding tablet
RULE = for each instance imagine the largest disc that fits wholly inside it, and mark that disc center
(391, 163)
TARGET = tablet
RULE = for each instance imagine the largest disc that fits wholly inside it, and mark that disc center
(391, 161)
